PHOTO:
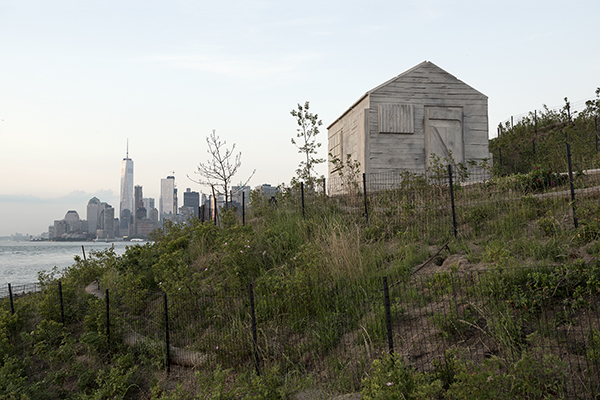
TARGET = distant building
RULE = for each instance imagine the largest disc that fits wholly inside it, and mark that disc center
(18, 237)
(73, 222)
(106, 228)
(267, 190)
(126, 209)
(168, 199)
(93, 211)
(239, 194)
(148, 203)
(192, 200)
(137, 199)
(60, 228)
(145, 226)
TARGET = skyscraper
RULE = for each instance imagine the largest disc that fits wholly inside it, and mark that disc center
(126, 202)
(167, 197)
(192, 200)
(93, 210)
(138, 195)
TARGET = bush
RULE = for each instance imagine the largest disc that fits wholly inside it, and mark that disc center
(528, 378)
(392, 379)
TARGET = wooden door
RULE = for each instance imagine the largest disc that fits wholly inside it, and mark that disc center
(444, 134)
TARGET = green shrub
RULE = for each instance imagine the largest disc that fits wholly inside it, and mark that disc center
(528, 378)
(391, 379)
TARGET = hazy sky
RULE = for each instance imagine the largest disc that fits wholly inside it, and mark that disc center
(79, 78)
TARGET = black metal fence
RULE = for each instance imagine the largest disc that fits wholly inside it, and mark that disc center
(451, 201)
(426, 317)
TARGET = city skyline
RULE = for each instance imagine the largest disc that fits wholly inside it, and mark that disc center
(79, 78)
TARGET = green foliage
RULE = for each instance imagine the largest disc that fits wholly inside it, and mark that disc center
(539, 179)
(549, 225)
(115, 381)
(391, 379)
(589, 219)
(318, 300)
(8, 331)
(457, 320)
(348, 171)
(225, 384)
(13, 378)
(528, 378)
(527, 144)
(307, 145)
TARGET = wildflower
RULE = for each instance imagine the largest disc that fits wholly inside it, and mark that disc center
(294, 258)
(553, 184)
(389, 383)
(241, 251)
(217, 348)
(206, 269)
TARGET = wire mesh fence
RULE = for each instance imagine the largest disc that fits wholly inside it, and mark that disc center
(428, 317)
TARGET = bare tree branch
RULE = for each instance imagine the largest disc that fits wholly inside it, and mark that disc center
(221, 166)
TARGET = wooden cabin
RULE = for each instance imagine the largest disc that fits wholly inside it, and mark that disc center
(398, 125)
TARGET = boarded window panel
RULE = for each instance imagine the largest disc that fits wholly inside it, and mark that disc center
(396, 118)
(335, 144)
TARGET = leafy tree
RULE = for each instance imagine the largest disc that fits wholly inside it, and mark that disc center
(348, 172)
(221, 167)
(306, 142)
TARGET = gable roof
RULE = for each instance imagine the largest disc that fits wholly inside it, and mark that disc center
(424, 64)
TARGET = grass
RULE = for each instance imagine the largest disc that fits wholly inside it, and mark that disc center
(523, 286)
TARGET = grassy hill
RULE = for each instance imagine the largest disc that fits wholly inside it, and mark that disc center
(540, 139)
(295, 302)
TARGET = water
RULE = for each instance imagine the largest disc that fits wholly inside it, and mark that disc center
(20, 262)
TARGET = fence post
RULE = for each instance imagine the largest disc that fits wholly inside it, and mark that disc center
(302, 196)
(12, 306)
(254, 333)
(571, 183)
(365, 196)
(62, 309)
(500, 151)
(107, 318)
(324, 187)
(533, 146)
(596, 133)
(388, 315)
(535, 119)
(167, 344)
(452, 200)
(243, 208)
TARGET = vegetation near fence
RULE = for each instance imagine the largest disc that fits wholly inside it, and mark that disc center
(448, 284)
(540, 138)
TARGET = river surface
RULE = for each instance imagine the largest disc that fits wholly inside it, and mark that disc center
(20, 262)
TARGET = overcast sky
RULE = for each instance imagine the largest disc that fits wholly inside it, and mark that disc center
(79, 78)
